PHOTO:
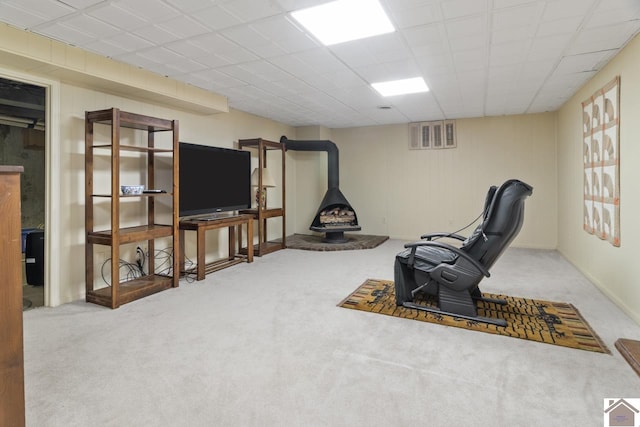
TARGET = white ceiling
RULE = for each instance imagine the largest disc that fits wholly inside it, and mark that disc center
(479, 57)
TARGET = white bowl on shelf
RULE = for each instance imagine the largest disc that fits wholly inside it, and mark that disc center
(131, 190)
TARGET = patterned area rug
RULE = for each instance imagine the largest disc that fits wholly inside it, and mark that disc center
(536, 320)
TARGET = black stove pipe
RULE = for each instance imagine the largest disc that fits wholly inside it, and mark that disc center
(333, 170)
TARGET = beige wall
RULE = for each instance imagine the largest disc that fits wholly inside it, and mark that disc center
(610, 268)
(404, 193)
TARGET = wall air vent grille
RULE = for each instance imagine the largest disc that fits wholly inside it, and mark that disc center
(432, 135)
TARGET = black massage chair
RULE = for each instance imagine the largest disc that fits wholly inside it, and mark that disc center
(451, 274)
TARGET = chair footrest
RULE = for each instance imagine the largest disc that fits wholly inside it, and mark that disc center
(489, 320)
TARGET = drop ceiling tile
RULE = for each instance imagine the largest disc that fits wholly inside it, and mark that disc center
(80, 4)
(580, 63)
(344, 79)
(498, 75)
(508, 53)
(102, 47)
(218, 80)
(499, 4)
(473, 26)
(551, 47)
(353, 55)
(457, 8)
(523, 33)
(115, 15)
(183, 26)
(152, 10)
(614, 11)
(477, 42)
(292, 64)
(604, 38)
(187, 49)
(474, 59)
(524, 16)
(90, 26)
(292, 5)
(48, 9)
(214, 43)
(436, 65)
(129, 42)
(426, 35)
(245, 36)
(566, 8)
(536, 72)
(472, 81)
(388, 71)
(154, 34)
(184, 66)
(559, 26)
(284, 33)
(161, 55)
(224, 48)
(216, 18)
(415, 16)
(190, 6)
(265, 71)
(213, 61)
(251, 10)
(321, 60)
(19, 17)
(64, 33)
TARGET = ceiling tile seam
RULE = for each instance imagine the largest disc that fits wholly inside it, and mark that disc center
(450, 50)
(488, 44)
(572, 40)
(538, 19)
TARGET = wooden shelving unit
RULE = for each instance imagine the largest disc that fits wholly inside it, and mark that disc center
(11, 333)
(148, 230)
(263, 213)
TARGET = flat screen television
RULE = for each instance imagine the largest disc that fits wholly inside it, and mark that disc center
(213, 179)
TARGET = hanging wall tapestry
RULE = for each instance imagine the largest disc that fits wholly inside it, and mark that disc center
(601, 143)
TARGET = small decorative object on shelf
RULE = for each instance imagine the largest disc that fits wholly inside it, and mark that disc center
(132, 190)
(261, 191)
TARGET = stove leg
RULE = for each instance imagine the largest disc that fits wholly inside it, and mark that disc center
(335, 237)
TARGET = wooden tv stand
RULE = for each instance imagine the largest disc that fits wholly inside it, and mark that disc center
(201, 226)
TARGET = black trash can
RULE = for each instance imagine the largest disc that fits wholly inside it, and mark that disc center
(34, 258)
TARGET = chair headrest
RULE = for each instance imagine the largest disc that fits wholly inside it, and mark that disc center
(501, 223)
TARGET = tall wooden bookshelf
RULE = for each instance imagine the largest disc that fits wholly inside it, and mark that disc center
(261, 213)
(149, 228)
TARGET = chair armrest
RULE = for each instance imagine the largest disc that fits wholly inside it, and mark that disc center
(453, 249)
(429, 236)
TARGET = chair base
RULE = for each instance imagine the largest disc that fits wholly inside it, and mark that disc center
(489, 320)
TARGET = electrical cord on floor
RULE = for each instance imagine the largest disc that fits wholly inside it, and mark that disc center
(140, 259)
(163, 268)
(132, 271)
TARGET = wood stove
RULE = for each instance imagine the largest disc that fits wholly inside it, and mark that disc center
(335, 215)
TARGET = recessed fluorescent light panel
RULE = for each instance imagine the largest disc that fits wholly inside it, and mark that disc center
(401, 87)
(344, 20)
